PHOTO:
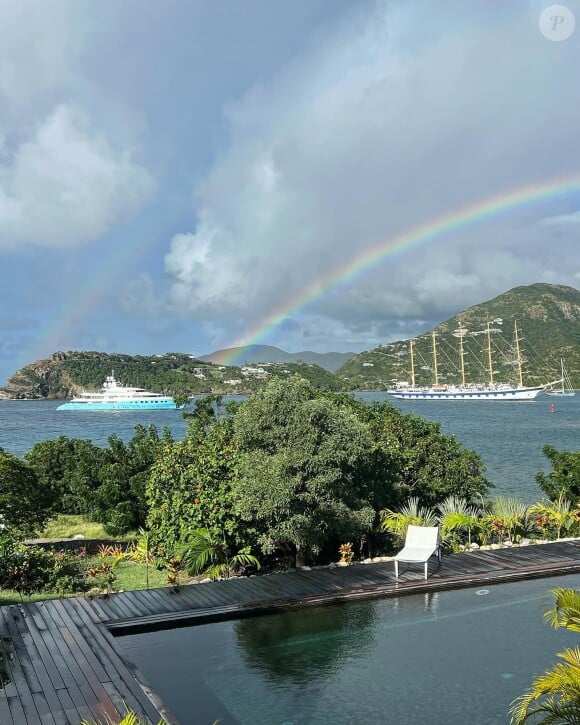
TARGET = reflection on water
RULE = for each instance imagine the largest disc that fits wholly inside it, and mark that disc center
(307, 645)
(446, 658)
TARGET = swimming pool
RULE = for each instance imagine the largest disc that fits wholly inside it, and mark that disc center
(442, 658)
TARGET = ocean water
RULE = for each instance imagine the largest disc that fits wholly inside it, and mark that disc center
(507, 435)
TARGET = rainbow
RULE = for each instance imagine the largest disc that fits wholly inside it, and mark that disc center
(395, 247)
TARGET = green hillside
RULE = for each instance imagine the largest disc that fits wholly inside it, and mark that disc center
(66, 374)
(548, 319)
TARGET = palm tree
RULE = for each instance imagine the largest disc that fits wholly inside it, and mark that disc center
(509, 515)
(554, 696)
(456, 516)
(207, 553)
(141, 553)
(558, 513)
(411, 514)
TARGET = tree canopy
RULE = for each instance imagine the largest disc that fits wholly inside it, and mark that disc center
(307, 471)
(565, 478)
(24, 500)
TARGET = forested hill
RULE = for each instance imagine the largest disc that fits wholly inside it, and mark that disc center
(548, 318)
(65, 374)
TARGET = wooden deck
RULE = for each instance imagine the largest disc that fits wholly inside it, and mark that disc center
(60, 662)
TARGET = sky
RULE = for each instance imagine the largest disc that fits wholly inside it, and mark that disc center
(173, 171)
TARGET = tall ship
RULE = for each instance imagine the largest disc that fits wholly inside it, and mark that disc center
(114, 396)
(489, 390)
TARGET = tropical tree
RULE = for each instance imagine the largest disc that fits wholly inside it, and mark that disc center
(70, 467)
(189, 487)
(119, 502)
(564, 480)
(308, 474)
(205, 552)
(410, 514)
(25, 502)
(554, 697)
(419, 460)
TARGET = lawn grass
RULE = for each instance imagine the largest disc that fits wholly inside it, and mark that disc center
(65, 526)
(130, 577)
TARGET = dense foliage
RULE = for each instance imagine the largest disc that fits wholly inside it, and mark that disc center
(308, 469)
(565, 478)
(294, 471)
(290, 473)
(189, 486)
(24, 500)
(106, 483)
(70, 467)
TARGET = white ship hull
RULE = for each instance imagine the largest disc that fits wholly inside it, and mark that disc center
(119, 397)
(499, 393)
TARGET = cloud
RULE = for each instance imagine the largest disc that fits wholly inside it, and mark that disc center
(68, 161)
(573, 218)
(66, 185)
(407, 113)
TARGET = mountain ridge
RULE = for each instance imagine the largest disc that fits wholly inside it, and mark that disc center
(253, 354)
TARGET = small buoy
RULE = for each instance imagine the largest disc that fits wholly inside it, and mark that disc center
(552, 408)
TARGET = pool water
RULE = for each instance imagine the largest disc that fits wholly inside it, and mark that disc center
(444, 658)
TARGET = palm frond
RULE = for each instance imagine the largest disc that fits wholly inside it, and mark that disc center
(566, 611)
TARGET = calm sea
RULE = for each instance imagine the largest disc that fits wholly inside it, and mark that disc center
(508, 436)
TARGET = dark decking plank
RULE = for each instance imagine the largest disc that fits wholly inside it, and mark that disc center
(104, 649)
(99, 612)
(45, 710)
(76, 703)
(59, 662)
(115, 606)
(75, 639)
(36, 642)
(23, 658)
(24, 701)
(17, 712)
(138, 599)
(165, 600)
(5, 716)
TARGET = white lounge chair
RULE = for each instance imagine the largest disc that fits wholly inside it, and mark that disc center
(420, 544)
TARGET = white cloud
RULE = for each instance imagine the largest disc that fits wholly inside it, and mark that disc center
(67, 185)
(68, 169)
(573, 218)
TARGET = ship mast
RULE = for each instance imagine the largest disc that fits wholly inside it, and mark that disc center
(518, 355)
(460, 332)
(412, 363)
(489, 360)
(435, 373)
